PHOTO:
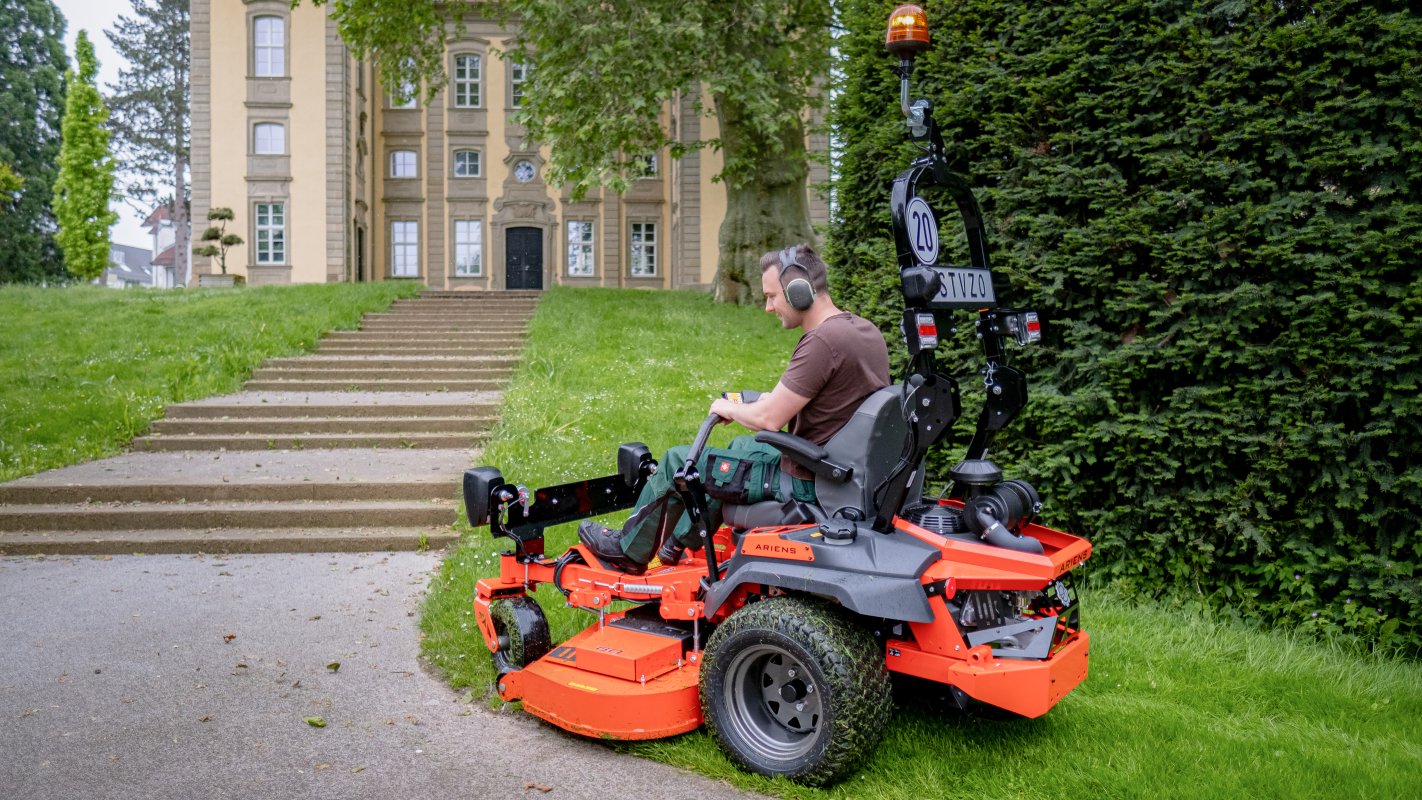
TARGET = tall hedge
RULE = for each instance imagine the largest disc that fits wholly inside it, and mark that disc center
(1217, 207)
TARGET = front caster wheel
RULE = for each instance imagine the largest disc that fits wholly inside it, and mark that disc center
(793, 687)
(523, 633)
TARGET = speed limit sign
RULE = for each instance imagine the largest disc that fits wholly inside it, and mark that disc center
(923, 231)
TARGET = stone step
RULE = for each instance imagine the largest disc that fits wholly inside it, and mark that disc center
(187, 411)
(471, 314)
(376, 385)
(375, 347)
(357, 375)
(293, 426)
(398, 336)
(224, 514)
(286, 491)
(462, 328)
(228, 540)
(378, 361)
(461, 294)
(312, 441)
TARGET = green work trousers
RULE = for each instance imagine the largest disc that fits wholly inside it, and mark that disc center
(660, 511)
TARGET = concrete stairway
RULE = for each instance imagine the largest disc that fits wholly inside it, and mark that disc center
(357, 447)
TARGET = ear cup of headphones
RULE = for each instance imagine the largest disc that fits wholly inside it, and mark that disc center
(800, 294)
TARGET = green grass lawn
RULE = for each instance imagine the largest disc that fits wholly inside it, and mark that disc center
(84, 369)
(1178, 704)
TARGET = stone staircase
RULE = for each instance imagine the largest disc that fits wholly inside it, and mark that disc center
(359, 446)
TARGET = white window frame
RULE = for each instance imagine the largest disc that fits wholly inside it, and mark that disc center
(468, 248)
(404, 248)
(478, 163)
(269, 46)
(269, 229)
(582, 237)
(518, 75)
(403, 167)
(642, 249)
(267, 146)
(468, 88)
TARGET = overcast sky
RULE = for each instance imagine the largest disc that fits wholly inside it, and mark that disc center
(97, 17)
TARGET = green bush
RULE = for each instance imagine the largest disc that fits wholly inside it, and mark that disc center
(1217, 207)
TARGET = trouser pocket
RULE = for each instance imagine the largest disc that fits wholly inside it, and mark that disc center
(740, 476)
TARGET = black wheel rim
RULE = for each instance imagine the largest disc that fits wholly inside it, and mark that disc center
(773, 703)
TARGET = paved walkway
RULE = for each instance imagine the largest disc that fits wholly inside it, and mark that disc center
(192, 675)
(189, 676)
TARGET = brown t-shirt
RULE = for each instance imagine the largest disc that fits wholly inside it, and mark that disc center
(836, 365)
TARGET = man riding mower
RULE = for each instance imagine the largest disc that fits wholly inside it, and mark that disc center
(779, 627)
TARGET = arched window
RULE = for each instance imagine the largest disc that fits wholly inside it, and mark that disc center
(269, 47)
(468, 74)
(466, 163)
(269, 139)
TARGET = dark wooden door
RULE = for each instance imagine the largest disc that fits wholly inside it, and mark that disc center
(523, 248)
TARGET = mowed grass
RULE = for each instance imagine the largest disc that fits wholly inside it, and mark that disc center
(84, 369)
(1178, 704)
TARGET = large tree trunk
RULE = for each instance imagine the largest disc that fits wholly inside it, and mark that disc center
(767, 203)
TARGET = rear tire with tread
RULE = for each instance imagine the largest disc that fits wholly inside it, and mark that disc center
(792, 686)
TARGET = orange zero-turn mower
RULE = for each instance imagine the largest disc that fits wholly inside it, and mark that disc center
(782, 630)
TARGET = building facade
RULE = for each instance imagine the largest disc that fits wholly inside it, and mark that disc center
(333, 177)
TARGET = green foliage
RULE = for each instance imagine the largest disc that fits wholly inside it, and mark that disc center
(32, 64)
(86, 173)
(150, 111)
(9, 184)
(604, 73)
(1216, 208)
(84, 369)
(149, 103)
(1181, 702)
(216, 239)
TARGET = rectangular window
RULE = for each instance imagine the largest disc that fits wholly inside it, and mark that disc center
(467, 71)
(269, 47)
(468, 247)
(580, 248)
(466, 163)
(268, 139)
(643, 255)
(518, 73)
(404, 96)
(405, 249)
(402, 164)
(271, 233)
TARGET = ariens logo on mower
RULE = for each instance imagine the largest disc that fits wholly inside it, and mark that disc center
(778, 549)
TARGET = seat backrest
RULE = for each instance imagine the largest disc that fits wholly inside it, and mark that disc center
(872, 442)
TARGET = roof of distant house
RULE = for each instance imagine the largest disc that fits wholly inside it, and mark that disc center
(158, 216)
(135, 266)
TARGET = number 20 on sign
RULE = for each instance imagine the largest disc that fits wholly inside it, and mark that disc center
(923, 231)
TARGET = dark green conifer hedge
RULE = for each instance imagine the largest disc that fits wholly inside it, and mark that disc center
(1217, 207)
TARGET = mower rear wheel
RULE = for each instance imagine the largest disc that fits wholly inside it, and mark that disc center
(791, 686)
(523, 633)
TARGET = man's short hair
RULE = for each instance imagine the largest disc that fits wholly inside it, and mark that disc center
(806, 261)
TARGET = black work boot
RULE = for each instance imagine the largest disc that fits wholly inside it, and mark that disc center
(606, 544)
(670, 551)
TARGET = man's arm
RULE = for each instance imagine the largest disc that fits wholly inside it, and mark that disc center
(771, 412)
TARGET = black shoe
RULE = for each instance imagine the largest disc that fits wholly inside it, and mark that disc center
(606, 545)
(670, 551)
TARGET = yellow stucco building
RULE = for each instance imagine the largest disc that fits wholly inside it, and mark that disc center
(332, 178)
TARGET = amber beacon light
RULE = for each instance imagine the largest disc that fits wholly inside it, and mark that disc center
(908, 31)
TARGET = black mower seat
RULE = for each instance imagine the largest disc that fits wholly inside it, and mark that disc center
(848, 468)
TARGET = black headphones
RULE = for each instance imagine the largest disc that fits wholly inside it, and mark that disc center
(798, 292)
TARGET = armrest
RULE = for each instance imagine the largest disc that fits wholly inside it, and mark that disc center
(807, 454)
